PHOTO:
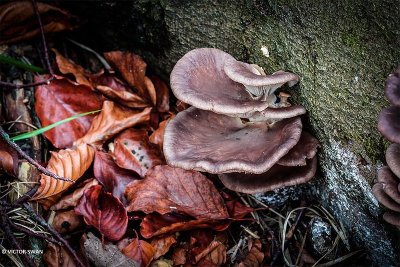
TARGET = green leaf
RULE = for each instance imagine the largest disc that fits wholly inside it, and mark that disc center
(19, 64)
(51, 126)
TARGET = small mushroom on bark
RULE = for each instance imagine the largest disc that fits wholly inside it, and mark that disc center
(257, 83)
(392, 89)
(389, 123)
(393, 158)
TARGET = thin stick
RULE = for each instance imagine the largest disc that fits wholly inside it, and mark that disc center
(55, 234)
(43, 170)
(19, 86)
(28, 195)
(46, 51)
(32, 233)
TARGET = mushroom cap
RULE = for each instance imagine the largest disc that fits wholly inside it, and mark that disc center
(390, 183)
(392, 88)
(383, 198)
(277, 177)
(393, 158)
(202, 140)
(247, 75)
(392, 218)
(305, 149)
(198, 79)
(389, 123)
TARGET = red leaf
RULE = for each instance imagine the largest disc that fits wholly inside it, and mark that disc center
(133, 151)
(162, 245)
(62, 99)
(236, 209)
(157, 137)
(111, 176)
(162, 93)
(103, 211)
(166, 189)
(8, 159)
(140, 251)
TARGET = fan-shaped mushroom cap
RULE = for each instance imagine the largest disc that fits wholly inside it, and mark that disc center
(392, 88)
(276, 177)
(305, 149)
(392, 218)
(255, 81)
(198, 79)
(389, 123)
(383, 198)
(393, 158)
(202, 140)
(389, 183)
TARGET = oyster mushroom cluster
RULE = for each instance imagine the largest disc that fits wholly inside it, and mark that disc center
(237, 127)
(387, 190)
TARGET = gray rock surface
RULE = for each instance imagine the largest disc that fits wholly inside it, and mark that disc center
(342, 50)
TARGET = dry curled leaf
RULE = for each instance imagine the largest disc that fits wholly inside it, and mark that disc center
(67, 66)
(162, 245)
(166, 189)
(66, 221)
(61, 99)
(103, 211)
(57, 256)
(105, 255)
(255, 256)
(68, 163)
(133, 70)
(112, 120)
(133, 151)
(140, 251)
(8, 159)
(111, 176)
(71, 200)
(18, 20)
(157, 137)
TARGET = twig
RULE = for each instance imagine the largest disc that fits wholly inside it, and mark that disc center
(28, 195)
(43, 170)
(55, 234)
(32, 233)
(19, 86)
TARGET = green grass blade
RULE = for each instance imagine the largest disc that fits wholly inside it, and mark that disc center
(19, 64)
(51, 126)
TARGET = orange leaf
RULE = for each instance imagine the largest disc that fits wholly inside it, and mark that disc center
(62, 99)
(157, 137)
(161, 245)
(18, 21)
(166, 189)
(66, 221)
(133, 151)
(140, 251)
(162, 93)
(103, 211)
(68, 163)
(71, 200)
(112, 120)
(57, 256)
(255, 256)
(8, 159)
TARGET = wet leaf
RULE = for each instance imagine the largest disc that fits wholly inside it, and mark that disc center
(166, 189)
(66, 221)
(255, 256)
(157, 137)
(105, 255)
(140, 251)
(111, 176)
(8, 159)
(125, 98)
(162, 245)
(19, 22)
(67, 66)
(162, 93)
(133, 70)
(112, 120)
(57, 256)
(133, 151)
(236, 209)
(103, 211)
(71, 200)
(62, 99)
(68, 163)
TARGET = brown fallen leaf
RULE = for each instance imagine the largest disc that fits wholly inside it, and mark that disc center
(166, 189)
(61, 99)
(179, 255)
(103, 211)
(125, 98)
(133, 70)
(140, 251)
(8, 159)
(111, 176)
(112, 120)
(236, 209)
(105, 255)
(162, 94)
(133, 151)
(18, 21)
(67, 66)
(157, 137)
(162, 245)
(66, 221)
(56, 256)
(68, 163)
(71, 200)
(255, 256)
